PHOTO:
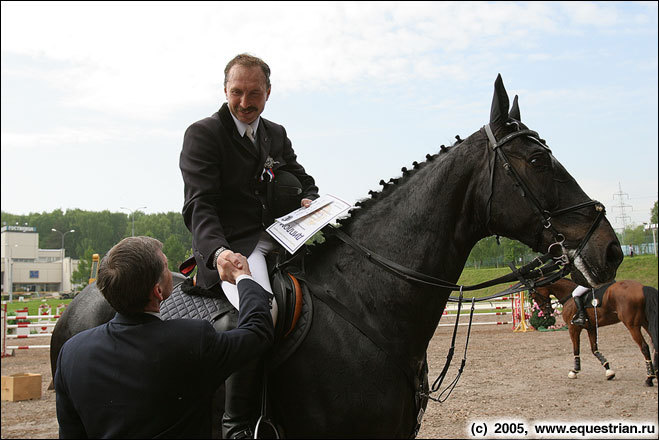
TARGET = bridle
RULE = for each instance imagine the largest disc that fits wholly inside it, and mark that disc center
(541, 300)
(544, 214)
(550, 266)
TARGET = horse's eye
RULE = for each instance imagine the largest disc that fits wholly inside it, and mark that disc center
(540, 162)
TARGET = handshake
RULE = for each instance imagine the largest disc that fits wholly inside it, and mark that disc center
(231, 265)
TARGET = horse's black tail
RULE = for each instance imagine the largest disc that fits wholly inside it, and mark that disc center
(650, 294)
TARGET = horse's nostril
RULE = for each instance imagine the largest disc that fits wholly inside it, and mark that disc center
(614, 255)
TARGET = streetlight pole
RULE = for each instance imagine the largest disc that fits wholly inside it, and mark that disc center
(63, 234)
(132, 216)
(653, 228)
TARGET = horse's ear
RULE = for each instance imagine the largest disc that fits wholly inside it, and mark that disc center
(514, 111)
(500, 103)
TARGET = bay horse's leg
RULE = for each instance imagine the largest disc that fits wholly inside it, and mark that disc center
(635, 331)
(592, 336)
(575, 335)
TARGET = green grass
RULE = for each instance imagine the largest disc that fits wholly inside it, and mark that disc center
(33, 305)
(641, 268)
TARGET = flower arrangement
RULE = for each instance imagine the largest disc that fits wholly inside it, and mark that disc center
(556, 325)
(541, 320)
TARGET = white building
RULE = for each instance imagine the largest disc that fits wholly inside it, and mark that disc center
(26, 268)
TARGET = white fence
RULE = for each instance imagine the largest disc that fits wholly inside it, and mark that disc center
(504, 306)
(28, 326)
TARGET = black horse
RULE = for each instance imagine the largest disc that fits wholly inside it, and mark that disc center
(354, 375)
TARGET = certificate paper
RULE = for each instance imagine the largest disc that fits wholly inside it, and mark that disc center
(303, 212)
(304, 223)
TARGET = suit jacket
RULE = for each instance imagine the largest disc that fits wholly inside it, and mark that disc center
(225, 203)
(139, 377)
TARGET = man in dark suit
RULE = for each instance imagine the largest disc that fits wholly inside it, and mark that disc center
(240, 172)
(139, 377)
(226, 174)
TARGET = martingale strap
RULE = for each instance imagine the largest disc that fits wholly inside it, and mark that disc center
(444, 395)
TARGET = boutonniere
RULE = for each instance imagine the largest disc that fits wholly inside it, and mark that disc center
(267, 169)
(269, 162)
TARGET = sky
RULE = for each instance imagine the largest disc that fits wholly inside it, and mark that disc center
(96, 97)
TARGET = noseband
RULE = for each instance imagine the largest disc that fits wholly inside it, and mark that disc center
(545, 215)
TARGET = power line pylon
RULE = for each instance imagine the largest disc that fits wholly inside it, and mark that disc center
(624, 218)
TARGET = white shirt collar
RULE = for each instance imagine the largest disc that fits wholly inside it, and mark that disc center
(241, 126)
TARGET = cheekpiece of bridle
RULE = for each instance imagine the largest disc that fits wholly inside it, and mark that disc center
(557, 250)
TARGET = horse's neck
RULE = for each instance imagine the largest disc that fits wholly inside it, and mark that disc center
(563, 291)
(428, 222)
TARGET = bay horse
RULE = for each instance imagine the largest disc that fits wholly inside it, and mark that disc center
(358, 372)
(629, 302)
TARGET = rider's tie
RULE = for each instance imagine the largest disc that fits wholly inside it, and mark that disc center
(249, 132)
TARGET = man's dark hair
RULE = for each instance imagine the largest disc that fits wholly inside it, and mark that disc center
(129, 271)
(247, 60)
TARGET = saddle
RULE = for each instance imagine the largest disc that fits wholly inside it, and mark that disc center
(598, 293)
(295, 308)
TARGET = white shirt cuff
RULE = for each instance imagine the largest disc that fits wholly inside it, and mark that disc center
(243, 277)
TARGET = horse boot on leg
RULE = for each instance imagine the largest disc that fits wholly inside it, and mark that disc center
(577, 368)
(241, 402)
(580, 317)
(651, 373)
(610, 374)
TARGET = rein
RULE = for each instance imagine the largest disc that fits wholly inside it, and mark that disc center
(528, 272)
(449, 357)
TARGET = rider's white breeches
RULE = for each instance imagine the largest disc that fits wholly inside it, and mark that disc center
(580, 290)
(259, 269)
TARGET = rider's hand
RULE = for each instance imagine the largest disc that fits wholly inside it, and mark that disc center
(231, 265)
(305, 203)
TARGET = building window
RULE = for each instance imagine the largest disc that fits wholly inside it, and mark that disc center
(34, 274)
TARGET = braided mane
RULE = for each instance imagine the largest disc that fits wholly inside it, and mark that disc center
(363, 206)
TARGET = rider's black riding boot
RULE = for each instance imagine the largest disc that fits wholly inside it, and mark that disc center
(580, 316)
(242, 401)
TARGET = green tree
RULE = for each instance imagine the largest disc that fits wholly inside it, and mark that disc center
(483, 251)
(99, 231)
(81, 276)
(515, 251)
(488, 253)
(653, 213)
(635, 236)
(175, 251)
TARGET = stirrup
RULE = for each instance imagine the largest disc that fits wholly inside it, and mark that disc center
(265, 422)
(243, 433)
(579, 320)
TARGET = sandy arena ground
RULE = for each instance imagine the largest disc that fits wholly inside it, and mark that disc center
(520, 377)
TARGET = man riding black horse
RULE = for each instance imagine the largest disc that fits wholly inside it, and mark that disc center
(233, 165)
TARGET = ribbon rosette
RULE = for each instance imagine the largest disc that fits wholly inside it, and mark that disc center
(267, 169)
